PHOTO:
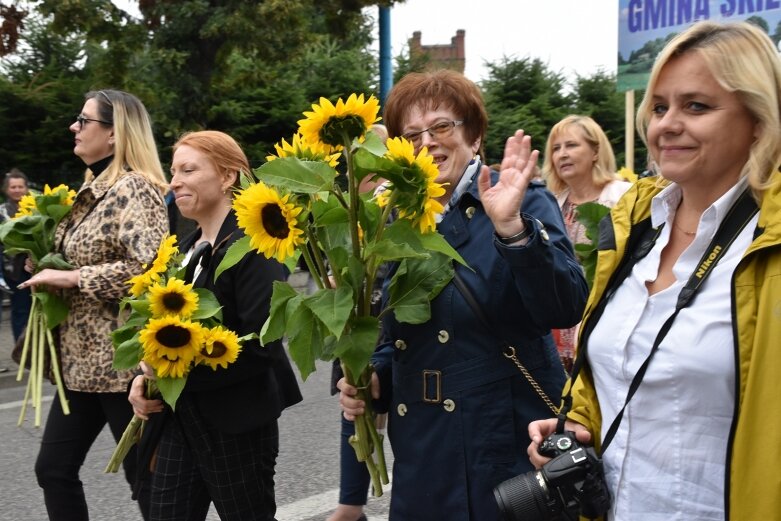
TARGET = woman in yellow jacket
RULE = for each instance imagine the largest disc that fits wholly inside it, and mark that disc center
(683, 391)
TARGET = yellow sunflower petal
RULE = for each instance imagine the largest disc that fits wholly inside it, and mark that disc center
(306, 151)
(169, 340)
(269, 220)
(221, 347)
(331, 124)
(172, 298)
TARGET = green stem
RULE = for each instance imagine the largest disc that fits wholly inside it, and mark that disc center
(28, 335)
(126, 442)
(318, 257)
(312, 266)
(366, 442)
(41, 346)
(56, 372)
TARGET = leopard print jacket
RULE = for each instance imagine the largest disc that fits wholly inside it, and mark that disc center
(109, 235)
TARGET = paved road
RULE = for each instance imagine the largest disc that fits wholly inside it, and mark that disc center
(307, 468)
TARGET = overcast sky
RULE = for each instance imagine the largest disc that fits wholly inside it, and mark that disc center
(571, 36)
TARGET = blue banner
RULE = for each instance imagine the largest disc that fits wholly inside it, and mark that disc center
(645, 26)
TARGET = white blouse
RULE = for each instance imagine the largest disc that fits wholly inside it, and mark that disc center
(667, 460)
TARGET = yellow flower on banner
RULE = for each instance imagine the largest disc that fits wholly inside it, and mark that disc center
(171, 344)
(330, 124)
(172, 298)
(627, 174)
(221, 347)
(269, 220)
(418, 202)
(304, 150)
(26, 206)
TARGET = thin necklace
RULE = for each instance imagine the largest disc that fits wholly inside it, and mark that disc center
(690, 234)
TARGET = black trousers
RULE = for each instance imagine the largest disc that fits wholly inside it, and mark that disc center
(66, 441)
(197, 464)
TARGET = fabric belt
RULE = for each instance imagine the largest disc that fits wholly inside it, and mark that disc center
(434, 385)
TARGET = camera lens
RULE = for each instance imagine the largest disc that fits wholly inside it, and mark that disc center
(523, 498)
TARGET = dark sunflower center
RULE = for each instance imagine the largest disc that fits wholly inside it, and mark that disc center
(173, 301)
(274, 222)
(173, 336)
(218, 350)
(336, 128)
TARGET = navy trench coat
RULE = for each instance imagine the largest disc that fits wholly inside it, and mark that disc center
(459, 409)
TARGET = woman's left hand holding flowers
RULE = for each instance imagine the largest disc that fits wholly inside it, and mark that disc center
(142, 405)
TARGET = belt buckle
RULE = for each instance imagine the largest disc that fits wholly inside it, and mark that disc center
(427, 373)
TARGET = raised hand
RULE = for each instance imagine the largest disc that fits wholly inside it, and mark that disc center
(502, 201)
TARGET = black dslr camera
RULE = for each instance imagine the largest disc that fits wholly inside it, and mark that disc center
(570, 484)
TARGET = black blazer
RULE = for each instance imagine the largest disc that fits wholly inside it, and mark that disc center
(255, 388)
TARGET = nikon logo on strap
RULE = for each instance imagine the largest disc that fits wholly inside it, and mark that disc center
(712, 256)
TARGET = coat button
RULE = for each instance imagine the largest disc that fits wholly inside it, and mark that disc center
(470, 212)
(443, 336)
(400, 344)
(449, 405)
(544, 234)
(401, 409)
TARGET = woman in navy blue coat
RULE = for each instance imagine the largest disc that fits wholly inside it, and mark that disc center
(458, 407)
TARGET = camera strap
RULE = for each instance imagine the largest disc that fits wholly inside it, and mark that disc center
(741, 212)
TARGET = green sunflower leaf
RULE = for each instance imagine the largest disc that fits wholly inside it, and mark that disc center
(274, 327)
(235, 253)
(208, 306)
(305, 340)
(128, 352)
(55, 310)
(332, 307)
(297, 176)
(355, 348)
(171, 389)
(415, 284)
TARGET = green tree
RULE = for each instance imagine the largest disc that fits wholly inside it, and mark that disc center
(41, 90)
(522, 93)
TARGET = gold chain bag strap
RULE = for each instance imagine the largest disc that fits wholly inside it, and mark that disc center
(509, 353)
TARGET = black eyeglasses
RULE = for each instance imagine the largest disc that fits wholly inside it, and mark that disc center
(81, 120)
(437, 130)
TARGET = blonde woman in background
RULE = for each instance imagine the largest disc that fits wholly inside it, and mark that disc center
(579, 168)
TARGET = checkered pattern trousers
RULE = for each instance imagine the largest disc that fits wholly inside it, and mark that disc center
(197, 465)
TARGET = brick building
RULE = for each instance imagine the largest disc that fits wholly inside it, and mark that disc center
(442, 56)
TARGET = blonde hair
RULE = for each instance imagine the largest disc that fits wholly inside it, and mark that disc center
(222, 150)
(604, 169)
(134, 145)
(743, 60)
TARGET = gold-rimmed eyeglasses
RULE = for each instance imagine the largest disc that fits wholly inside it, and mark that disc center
(437, 130)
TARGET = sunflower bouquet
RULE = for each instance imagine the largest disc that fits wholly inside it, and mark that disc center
(304, 202)
(172, 327)
(31, 232)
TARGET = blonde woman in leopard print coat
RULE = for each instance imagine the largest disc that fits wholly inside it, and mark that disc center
(117, 222)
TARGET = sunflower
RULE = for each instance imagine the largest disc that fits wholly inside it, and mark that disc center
(329, 123)
(173, 298)
(302, 149)
(140, 283)
(26, 206)
(66, 194)
(417, 200)
(170, 345)
(220, 348)
(165, 253)
(269, 220)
